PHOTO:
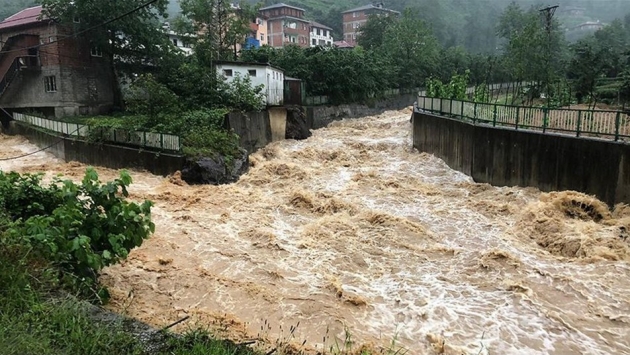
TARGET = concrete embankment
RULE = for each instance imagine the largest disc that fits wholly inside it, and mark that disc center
(509, 157)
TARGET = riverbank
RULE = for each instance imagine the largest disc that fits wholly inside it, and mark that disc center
(353, 230)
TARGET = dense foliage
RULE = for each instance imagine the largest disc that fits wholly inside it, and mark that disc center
(78, 228)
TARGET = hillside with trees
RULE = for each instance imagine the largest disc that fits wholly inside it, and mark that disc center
(10, 7)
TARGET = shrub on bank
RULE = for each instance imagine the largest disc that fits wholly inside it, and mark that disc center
(77, 228)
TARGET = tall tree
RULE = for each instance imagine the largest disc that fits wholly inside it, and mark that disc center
(219, 27)
(413, 49)
(128, 42)
(372, 33)
(585, 68)
(132, 38)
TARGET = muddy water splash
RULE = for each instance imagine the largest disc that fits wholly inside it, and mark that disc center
(353, 229)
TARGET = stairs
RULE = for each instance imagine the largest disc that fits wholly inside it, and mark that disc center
(18, 59)
(10, 75)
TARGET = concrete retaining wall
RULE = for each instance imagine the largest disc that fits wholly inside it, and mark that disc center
(257, 129)
(507, 157)
(321, 116)
(110, 156)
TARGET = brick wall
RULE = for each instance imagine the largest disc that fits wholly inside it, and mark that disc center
(84, 82)
(350, 22)
(277, 32)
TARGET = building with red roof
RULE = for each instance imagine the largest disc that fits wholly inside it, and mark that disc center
(43, 68)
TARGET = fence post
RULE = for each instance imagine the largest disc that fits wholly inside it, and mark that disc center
(494, 116)
(450, 111)
(114, 130)
(161, 141)
(475, 113)
(518, 111)
(617, 123)
(432, 104)
(144, 138)
(462, 109)
(579, 123)
(545, 118)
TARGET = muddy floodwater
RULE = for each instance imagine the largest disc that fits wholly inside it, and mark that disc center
(353, 232)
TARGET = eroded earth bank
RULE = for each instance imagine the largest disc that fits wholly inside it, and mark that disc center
(352, 229)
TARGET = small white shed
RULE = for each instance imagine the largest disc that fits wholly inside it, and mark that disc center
(270, 77)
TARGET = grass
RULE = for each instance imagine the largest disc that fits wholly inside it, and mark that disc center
(36, 318)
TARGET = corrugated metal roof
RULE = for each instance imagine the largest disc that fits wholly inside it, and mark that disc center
(277, 6)
(24, 17)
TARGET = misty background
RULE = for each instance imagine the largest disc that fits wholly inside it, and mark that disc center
(467, 23)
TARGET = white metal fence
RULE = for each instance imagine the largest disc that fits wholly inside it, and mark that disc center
(135, 138)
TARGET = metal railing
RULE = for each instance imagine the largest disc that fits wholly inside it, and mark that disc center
(591, 123)
(122, 136)
(10, 74)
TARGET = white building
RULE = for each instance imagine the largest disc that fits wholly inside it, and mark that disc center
(183, 42)
(321, 35)
(271, 78)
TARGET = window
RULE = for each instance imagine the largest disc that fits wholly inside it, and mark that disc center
(96, 52)
(227, 72)
(252, 72)
(175, 41)
(354, 14)
(314, 41)
(51, 39)
(262, 37)
(50, 82)
(319, 32)
(293, 39)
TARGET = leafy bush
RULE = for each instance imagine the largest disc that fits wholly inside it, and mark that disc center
(190, 121)
(79, 228)
(209, 142)
(149, 97)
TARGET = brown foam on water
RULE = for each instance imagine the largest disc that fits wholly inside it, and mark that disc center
(575, 225)
(354, 230)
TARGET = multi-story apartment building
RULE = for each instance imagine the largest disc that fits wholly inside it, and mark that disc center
(44, 68)
(258, 33)
(321, 35)
(353, 19)
(286, 25)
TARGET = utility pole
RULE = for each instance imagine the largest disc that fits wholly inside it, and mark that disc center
(548, 13)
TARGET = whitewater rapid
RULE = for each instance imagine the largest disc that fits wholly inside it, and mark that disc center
(352, 236)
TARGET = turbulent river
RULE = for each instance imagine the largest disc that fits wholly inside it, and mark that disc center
(352, 236)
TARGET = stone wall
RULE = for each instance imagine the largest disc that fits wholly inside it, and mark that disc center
(507, 157)
(321, 116)
(257, 129)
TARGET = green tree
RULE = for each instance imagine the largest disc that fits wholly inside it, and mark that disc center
(220, 27)
(147, 96)
(585, 68)
(531, 51)
(372, 33)
(126, 42)
(412, 48)
(613, 40)
(132, 38)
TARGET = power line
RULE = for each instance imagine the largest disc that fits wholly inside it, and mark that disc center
(86, 30)
(59, 40)
(37, 151)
